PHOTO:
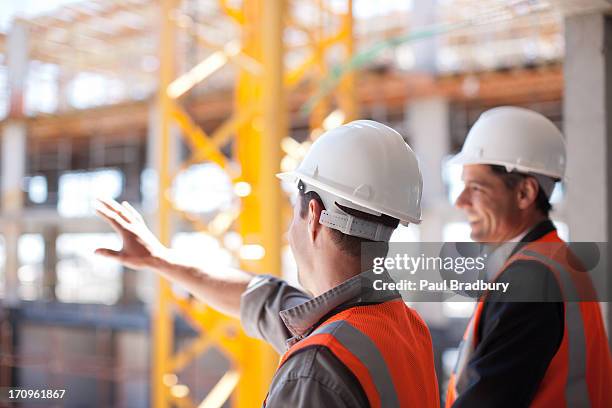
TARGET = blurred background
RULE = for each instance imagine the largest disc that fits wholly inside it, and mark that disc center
(187, 109)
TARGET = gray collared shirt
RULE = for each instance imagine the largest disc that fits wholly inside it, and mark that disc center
(281, 315)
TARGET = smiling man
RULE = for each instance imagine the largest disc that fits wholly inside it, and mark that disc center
(547, 351)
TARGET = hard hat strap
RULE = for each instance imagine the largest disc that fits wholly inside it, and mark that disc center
(547, 184)
(357, 227)
(334, 217)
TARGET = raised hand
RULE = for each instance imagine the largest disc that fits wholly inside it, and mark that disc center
(221, 290)
(141, 249)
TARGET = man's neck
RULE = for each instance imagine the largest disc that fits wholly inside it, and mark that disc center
(333, 269)
(523, 227)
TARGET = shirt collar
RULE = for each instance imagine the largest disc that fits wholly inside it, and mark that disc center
(539, 230)
(500, 253)
(535, 233)
(303, 318)
(519, 237)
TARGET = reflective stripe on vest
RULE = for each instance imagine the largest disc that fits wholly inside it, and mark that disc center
(365, 350)
(387, 347)
(576, 391)
(359, 354)
(566, 381)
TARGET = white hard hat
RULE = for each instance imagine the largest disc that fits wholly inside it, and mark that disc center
(516, 138)
(366, 166)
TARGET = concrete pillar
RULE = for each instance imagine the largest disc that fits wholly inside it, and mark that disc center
(11, 233)
(153, 144)
(17, 58)
(130, 281)
(149, 193)
(64, 78)
(587, 127)
(50, 235)
(13, 168)
(14, 154)
(150, 185)
(428, 127)
(424, 15)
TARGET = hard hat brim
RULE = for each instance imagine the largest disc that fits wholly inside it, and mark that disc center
(461, 159)
(293, 176)
(287, 176)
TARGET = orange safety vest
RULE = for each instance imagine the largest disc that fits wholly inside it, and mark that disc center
(387, 347)
(580, 373)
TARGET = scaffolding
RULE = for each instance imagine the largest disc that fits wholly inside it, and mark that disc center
(257, 128)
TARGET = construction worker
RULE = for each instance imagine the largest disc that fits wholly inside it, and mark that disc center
(535, 352)
(341, 346)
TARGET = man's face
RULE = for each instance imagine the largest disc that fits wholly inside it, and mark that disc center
(490, 206)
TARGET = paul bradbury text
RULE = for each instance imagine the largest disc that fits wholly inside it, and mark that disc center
(451, 285)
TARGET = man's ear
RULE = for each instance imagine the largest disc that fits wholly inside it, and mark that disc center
(527, 192)
(314, 214)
